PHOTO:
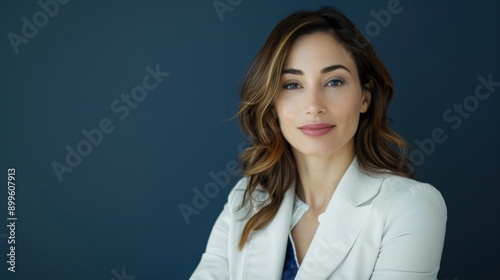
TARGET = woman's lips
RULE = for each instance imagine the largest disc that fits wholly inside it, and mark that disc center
(316, 129)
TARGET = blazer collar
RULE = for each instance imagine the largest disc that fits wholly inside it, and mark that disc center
(341, 224)
(358, 186)
(266, 249)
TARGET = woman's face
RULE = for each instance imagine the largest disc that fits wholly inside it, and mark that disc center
(320, 97)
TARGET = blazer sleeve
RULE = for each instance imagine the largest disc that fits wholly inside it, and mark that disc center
(214, 262)
(413, 237)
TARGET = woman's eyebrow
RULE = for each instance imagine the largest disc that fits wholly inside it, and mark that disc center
(334, 67)
(292, 71)
(323, 71)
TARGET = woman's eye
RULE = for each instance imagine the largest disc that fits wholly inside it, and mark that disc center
(334, 83)
(291, 86)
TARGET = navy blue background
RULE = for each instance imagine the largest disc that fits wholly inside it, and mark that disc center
(119, 208)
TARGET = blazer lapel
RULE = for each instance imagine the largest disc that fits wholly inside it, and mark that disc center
(267, 247)
(341, 224)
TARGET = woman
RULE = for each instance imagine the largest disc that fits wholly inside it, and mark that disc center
(327, 192)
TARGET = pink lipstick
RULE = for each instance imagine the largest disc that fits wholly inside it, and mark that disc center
(316, 129)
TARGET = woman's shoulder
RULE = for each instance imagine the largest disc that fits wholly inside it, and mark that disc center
(401, 194)
(393, 184)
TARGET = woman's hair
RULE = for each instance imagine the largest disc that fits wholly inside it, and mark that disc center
(268, 161)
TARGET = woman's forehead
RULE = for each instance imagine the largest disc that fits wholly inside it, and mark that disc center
(316, 51)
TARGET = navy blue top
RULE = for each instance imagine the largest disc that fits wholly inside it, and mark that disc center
(290, 268)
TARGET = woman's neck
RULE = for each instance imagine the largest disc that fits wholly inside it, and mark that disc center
(319, 177)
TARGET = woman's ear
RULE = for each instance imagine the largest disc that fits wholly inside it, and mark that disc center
(366, 97)
(365, 101)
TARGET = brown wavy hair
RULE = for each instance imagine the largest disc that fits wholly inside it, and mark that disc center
(268, 162)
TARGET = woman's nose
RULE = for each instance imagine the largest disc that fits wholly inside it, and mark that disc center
(315, 103)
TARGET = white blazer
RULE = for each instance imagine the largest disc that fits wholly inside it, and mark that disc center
(376, 226)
